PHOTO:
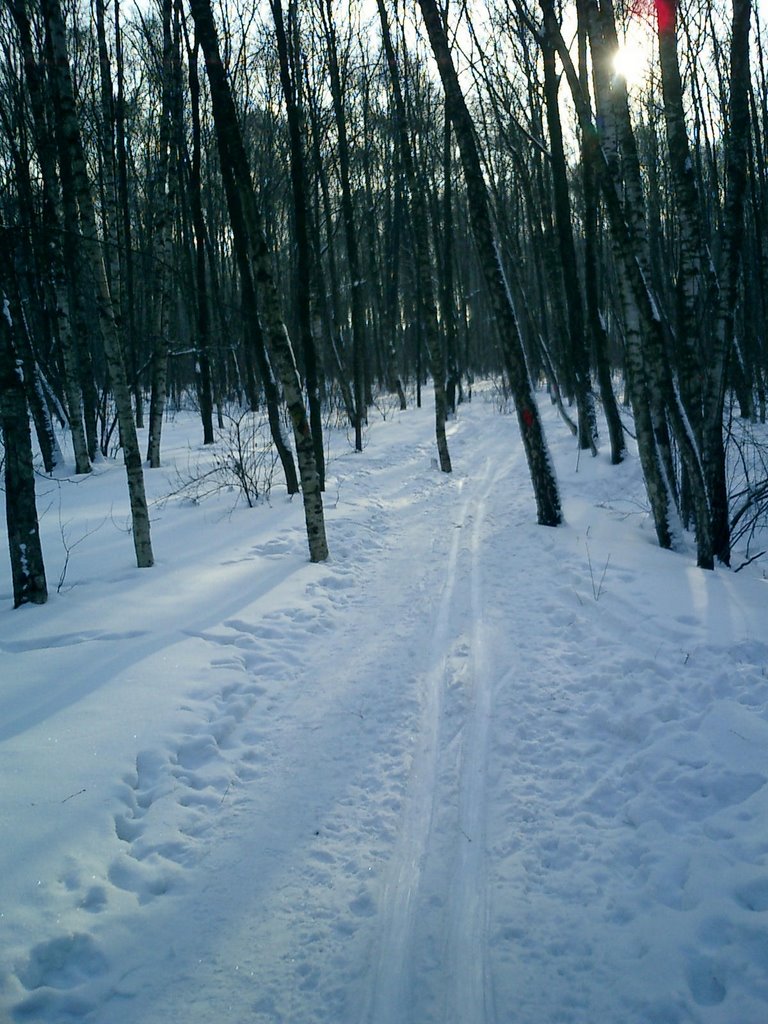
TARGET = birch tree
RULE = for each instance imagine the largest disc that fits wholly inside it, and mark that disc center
(420, 226)
(249, 236)
(539, 463)
(75, 180)
(27, 569)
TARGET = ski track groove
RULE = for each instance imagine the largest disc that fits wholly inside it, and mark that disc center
(465, 959)
(463, 917)
(390, 976)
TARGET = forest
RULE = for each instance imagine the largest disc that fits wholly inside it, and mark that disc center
(383, 419)
(293, 208)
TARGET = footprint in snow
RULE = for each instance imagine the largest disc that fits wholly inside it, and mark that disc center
(273, 548)
(128, 829)
(149, 768)
(61, 963)
(260, 630)
(233, 661)
(146, 879)
(363, 905)
(753, 895)
(706, 982)
(196, 752)
(95, 900)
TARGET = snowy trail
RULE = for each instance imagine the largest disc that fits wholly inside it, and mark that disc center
(452, 776)
(173, 797)
(397, 953)
(465, 958)
(430, 961)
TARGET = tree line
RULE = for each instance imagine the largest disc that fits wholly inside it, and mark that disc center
(290, 206)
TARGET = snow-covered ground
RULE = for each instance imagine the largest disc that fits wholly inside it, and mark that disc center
(470, 770)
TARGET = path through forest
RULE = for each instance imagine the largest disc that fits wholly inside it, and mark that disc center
(468, 771)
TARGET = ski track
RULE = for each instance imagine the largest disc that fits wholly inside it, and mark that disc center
(171, 803)
(410, 863)
(395, 971)
(468, 928)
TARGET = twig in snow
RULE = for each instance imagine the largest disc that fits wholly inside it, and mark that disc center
(597, 590)
(71, 795)
(749, 561)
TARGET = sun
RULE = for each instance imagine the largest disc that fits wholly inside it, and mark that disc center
(631, 61)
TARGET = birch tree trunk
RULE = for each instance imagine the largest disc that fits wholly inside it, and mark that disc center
(35, 302)
(332, 300)
(235, 172)
(60, 247)
(72, 156)
(202, 347)
(248, 231)
(447, 298)
(27, 569)
(420, 224)
(594, 316)
(577, 350)
(125, 230)
(290, 81)
(356, 281)
(726, 345)
(531, 430)
(655, 401)
(696, 285)
(666, 407)
(161, 243)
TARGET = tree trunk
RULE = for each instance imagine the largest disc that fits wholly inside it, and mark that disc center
(420, 224)
(56, 258)
(332, 301)
(202, 346)
(27, 569)
(737, 142)
(531, 430)
(447, 297)
(655, 401)
(161, 246)
(594, 316)
(653, 356)
(128, 291)
(248, 232)
(72, 156)
(577, 355)
(350, 230)
(289, 80)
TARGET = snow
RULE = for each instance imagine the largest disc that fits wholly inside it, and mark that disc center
(469, 770)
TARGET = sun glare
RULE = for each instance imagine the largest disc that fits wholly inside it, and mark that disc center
(631, 61)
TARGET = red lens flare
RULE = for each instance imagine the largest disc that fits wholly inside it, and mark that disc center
(661, 11)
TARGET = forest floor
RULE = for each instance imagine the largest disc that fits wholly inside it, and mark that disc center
(469, 771)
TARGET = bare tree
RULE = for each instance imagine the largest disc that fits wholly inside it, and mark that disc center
(249, 237)
(75, 179)
(290, 78)
(420, 228)
(27, 569)
(531, 429)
